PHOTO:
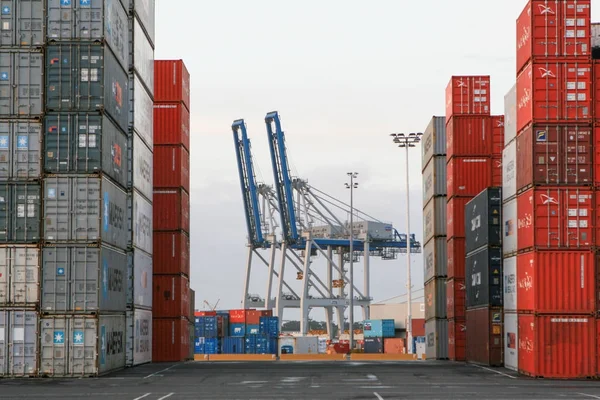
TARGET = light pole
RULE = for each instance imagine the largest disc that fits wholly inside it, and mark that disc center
(352, 185)
(408, 141)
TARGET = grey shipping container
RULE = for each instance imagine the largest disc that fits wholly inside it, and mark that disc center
(483, 220)
(434, 140)
(139, 293)
(22, 23)
(85, 143)
(19, 276)
(143, 56)
(435, 298)
(510, 115)
(85, 209)
(18, 343)
(139, 337)
(142, 167)
(142, 109)
(142, 223)
(434, 218)
(434, 178)
(102, 21)
(436, 336)
(484, 278)
(82, 346)
(21, 83)
(86, 77)
(144, 10)
(83, 279)
(20, 155)
(435, 258)
(20, 212)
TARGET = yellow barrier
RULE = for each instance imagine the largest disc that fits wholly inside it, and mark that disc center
(383, 357)
(200, 357)
(312, 357)
(242, 357)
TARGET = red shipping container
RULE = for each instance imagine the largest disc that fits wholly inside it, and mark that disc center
(557, 282)
(554, 92)
(171, 296)
(171, 124)
(554, 155)
(171, 82)
(253, 316)
(553, 29)
(484, 336)
(174, 206)
(557, 346)
(457, 338)
(171, 253)
(555, 217)
(468, 176)
(456, 253)
(205, 313)
(455, 217)
(418, 327)
(394, 346)
(237, 316)
(596, 88)
(456, 293)
(596, 147)
(497, 171)
(171, 167)
(468, 95)
(470, 136)
(497, 135)
(170, 340)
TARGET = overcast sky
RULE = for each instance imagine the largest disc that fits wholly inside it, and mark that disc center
(343, 74)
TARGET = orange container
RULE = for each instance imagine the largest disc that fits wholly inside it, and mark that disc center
(394, 346)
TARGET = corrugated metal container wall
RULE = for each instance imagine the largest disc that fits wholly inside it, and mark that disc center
(510, 115)
(170, 340)
(436, 332)
(497, 171)
(85, 143)
(596, 144)
(21, 86)
(467, 176)
(171, 253)
(143, 56)
(434, 140)
(394, 346)
(434, 218)
(141, 290)
(144, 10)
(511, 341)
(456, 298)
(456, 257)
(468, 95)
(171, 298)
(554, 155)
(19, 276)
(82, 346)
(86, 78)
(172, 167)
(172, 124)
(509, 171)
(92, 21)
(373, 345)
(139, 337)
(143, 167)
(455, 212)
(192, 304)
(457, 339)
(435, 298)
(555, 217)
(596, 87)
(20, 153)
(509, 270)
(562, 346)
(253, 316)
(543, 274)
(435, 258)
(142, 108)
(142, 223)
(83, 279)
(483, 222)
(484, 336)
(469, 136)
(25, 20)
(19, 343)
(20, 212)
(175, 210)
(434, 178)
(233, 345)
(84, 209)
(172, 82)
(484, 278)
(509, 227)
(497, 135)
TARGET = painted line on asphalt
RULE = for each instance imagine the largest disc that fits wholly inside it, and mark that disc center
(494, 371)
(167, 396)
(141, 397)
(589, 395)
(378, 396)
(158, 372)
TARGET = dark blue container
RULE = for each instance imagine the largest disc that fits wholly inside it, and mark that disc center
(210, 327)
(269, 326)
(237, 330)
(199, 345)
(252, 330)
(211, 346)
(250, 344)
(233, 345)
(199, 327)
(266, 345)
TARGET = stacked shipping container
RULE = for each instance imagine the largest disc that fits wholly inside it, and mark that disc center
(172, 223)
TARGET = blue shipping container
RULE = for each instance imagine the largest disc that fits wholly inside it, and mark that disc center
(199, 327)
(233, 345)
(250, 347)
(379, 328)
(211, 346)
(417, 339)
(266, 345)
(199, 345)
(269, 326)
(210, 327)
(252, 329)
(237, 330)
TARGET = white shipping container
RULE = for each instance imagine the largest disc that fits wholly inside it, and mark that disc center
(323, 345)
(510, 115)
(434, 178)
(142, 107)
(327, 231)
(144, 10)
(141, 277)
(299, 345)
(142, 223)
(596, 34)
(511, 341)
(434, 218)
(82, 345)
(139, 337)
(509, 227)
(143, 56)
(19, 276)
(436, 339)
(510, 283)
(142, 167)
(375, 230)
(509, 171)
(435, 258)
(18, 343)
(434, 140)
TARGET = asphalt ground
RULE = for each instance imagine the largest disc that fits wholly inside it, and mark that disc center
(302, 380)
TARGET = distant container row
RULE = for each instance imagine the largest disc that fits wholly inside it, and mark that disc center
(221, 326)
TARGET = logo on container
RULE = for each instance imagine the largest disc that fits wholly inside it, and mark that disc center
(525, 99)
(526, 283)
(460, 83)
(548, 199)
(524, 38)
(115, 152)
(545, 9)
(510, 284)
(526, 222)
(546, 73)
(511, 340)
(526, 345)
(117, 92)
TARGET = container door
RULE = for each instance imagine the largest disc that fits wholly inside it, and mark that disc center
(3, 342)
(25, 275)
(24, 338)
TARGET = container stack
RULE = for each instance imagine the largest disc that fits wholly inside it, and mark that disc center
(141, 88)
(556, 264)
(379, 337)
(484, 278)
(433, 163)
(473, 155)
(172, 224)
